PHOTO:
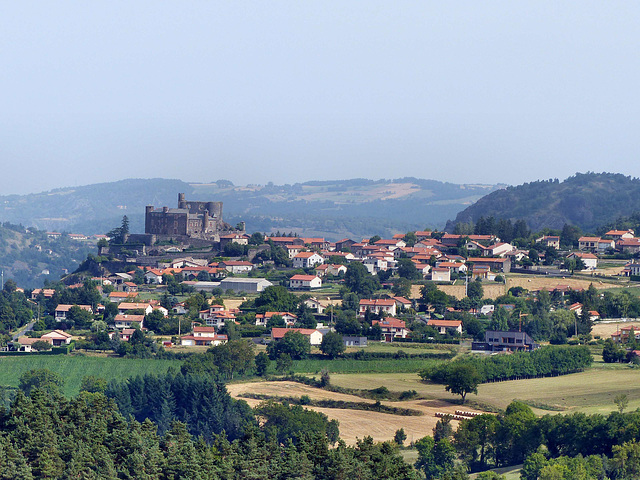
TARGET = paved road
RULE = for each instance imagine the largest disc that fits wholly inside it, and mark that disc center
(25, 329)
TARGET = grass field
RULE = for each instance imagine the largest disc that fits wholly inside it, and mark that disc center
(74, 368)
(591, 391)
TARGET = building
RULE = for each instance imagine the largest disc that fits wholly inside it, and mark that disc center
(289, 318)
(314, 336)
(392, 328)
(248, 285)
(307, 260)
(350, 341)
(549, 241)
(203, 340)
(497, 341)
(446, 326)
(236, 266)
(190, 219)
(440, 274)
(595, 244)
(62, 310)
(127, 307)
(589, 259)
(129, 321)
(304, 282)
(57, 338)
(386, 306)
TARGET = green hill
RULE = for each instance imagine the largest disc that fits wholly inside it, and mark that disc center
(587, 200)
(333, 209)
(29, 257)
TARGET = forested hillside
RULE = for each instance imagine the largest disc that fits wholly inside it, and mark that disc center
(332, 209)
(587, 200)
(29, 257)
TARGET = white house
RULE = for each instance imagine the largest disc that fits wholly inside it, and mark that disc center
(126, 307)
(307, 260)
(386, 306)
(440, 274)
(444, 326)
(299, 282)
(314, 336)
(289, 318)
(129, 321)
(237, 266)
(589, 259)
(62, 310)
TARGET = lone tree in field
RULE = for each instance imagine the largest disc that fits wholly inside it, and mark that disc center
(463, 379)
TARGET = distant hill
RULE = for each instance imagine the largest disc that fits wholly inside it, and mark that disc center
(29, 257)
(333, 209)
(587, 200)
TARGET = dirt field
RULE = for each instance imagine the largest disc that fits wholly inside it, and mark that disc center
(357, 423)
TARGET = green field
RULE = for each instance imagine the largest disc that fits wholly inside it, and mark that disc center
(74, 368)
(591, 391)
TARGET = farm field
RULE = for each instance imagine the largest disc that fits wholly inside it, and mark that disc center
(74, 368)
(591, 391)
(356, 423)
(605, 330)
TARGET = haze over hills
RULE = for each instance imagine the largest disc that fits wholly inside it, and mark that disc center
(587, 200)
(333, 209)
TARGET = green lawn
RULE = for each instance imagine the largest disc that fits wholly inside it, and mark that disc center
(74, 368)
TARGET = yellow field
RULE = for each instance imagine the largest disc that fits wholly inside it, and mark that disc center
(357, 423)
(528, 282)
(604, 330)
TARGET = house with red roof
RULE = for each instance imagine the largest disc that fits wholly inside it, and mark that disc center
(314, 336)
(304, 282)
(384, 306)
(307, 260)
(446, 326)
(392, 328)
(263, 318)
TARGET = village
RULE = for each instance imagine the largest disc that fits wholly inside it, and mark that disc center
(314, 271)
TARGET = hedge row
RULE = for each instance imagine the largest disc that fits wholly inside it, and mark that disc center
(341, 404)
(547, 361)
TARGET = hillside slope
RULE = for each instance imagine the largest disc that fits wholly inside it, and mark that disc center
(587, 200)
(333, 209)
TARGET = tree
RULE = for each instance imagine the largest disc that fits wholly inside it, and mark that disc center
(463, 379)
(262, 362)
(407, 269)
(93, 384)
(284, 362)
(401, 287)
(43, 379)
(295, 344)
(475, 290)
(400, 436)
(41, 346)
(332, 344)
(621, 401)
(358, 279)
(612, 353)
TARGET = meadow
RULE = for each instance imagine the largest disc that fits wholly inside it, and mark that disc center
(349, 366)
(591, 391)
(74, 368)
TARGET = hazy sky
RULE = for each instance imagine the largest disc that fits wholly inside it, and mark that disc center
(292, 91)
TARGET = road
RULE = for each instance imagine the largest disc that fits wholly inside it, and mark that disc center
(25, 329)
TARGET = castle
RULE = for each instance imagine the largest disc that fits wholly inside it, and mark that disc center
(191, 219)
